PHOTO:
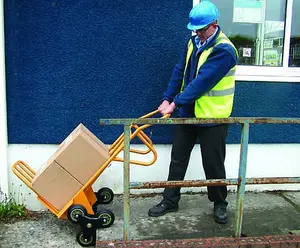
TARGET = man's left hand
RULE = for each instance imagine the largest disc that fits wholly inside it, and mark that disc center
(169, 109)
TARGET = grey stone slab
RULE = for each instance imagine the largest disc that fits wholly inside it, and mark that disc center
(293, 196)
(264, 214)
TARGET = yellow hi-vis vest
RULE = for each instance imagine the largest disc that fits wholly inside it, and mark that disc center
(218, 102)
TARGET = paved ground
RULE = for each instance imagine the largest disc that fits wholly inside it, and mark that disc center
(264, 214)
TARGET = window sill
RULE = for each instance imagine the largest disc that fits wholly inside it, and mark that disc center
(267, 74)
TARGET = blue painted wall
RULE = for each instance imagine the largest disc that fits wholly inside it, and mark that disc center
(78, 61)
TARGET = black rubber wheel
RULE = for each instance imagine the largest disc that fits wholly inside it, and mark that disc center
(107, 217)
(74, 211)
(104, 196)
(84, 241)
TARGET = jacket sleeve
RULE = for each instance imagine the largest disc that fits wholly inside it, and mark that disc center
(175, 82)
(218, 64)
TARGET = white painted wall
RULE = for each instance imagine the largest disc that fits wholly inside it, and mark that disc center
(272, 160)
(3, 116)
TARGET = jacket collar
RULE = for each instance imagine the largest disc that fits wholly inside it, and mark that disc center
(210, 42)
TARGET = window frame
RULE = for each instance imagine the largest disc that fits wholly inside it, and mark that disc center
(282, 73)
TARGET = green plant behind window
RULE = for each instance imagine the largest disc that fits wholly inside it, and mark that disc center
(241, 42)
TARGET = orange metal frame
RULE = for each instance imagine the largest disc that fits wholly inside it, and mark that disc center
(86, 196)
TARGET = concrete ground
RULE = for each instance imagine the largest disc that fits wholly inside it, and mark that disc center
(264, 214)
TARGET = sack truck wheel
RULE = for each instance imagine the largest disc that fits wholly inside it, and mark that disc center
(74, 211)
(105, 195)
(107, 217)
(84, 241)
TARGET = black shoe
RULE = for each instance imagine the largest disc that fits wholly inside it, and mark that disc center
(220, 214)
(161, 209)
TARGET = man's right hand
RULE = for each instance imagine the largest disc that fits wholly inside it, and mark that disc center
(165, 104)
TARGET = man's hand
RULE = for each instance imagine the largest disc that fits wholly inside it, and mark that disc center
(165, 104)
(169, 109)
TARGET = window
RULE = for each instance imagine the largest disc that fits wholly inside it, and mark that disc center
(294, 59)
(266, 35)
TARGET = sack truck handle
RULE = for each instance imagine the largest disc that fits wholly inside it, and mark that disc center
(118, 145)
(24, 172)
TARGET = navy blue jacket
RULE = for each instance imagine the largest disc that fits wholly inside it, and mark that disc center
(222, 58)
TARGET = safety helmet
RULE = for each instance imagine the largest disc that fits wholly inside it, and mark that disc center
(203, 14)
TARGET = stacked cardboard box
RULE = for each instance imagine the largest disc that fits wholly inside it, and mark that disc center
(76, 160)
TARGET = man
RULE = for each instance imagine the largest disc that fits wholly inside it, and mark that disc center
(201, 86)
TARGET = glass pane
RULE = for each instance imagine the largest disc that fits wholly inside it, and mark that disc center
(256, 27)
(294, 60)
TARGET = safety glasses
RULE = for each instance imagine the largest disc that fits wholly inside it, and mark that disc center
(202, 30)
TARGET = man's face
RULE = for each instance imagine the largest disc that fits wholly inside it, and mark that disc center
(206, 32)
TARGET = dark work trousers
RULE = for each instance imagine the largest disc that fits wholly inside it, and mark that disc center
(212, 145)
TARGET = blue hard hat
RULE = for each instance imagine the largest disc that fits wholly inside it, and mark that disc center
(202, 15)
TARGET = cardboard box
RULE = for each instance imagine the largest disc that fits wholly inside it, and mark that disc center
(81, 154)
(76, 160)
(82, 128)
(55, 185)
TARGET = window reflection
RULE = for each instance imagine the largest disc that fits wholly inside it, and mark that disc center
(294, 60)
(256, 27)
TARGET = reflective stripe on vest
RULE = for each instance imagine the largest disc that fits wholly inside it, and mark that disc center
(220, 92)
(218, 102)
